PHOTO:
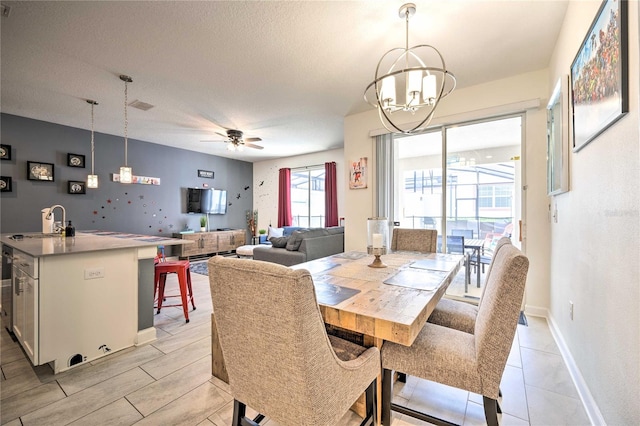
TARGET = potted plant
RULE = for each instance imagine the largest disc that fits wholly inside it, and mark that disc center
(262, 231)
(203, 223)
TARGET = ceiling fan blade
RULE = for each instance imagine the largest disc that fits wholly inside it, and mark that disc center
(224, 135)
(252, 139)
(250, 145)
(214, 140)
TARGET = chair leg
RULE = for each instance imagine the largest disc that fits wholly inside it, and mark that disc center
(387, 389)
(239, 415)
(370, 418)
(490, 411)
(190, 288)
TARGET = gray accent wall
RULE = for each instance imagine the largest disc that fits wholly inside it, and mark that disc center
(133, 208)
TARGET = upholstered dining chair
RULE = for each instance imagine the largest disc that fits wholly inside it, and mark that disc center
(422, 240)
(461, 315)
(279, 358)
(473, 362)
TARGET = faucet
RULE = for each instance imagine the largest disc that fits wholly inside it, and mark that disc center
(50, 214)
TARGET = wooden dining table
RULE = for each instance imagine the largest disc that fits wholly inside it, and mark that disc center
(373, 304)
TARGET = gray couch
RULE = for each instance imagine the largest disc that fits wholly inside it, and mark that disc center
(304, 245)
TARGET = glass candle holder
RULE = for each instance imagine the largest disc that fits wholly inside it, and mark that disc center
(377, 239)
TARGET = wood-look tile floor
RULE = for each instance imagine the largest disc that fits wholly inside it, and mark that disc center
(169, 382)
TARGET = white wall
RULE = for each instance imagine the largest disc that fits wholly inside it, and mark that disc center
(498, 97)
(595, 244)
(265, 182)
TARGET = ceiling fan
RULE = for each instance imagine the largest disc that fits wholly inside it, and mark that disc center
(236, 142)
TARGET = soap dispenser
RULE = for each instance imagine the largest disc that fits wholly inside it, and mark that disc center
(70, 230)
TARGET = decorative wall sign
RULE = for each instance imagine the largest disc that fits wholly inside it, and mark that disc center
(599, 80)
(75, 160)
(558, 139)
(5, 152)
(358, 174)
(5, 184)
(40, 171)
(77, 187)
(205, 174)
(142, 180)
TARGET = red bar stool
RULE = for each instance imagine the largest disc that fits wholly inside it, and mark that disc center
(180, 267)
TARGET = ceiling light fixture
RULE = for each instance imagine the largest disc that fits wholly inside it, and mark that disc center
(126, 174)
(92, 179)
(421, 85)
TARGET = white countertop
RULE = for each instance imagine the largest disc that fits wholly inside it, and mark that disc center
(38, 244)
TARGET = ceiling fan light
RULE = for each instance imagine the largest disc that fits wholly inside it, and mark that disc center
(240, 147)
(231, 146)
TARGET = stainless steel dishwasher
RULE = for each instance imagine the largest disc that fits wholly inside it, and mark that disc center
(7, 290)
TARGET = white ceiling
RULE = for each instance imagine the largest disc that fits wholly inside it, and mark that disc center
(288, 72)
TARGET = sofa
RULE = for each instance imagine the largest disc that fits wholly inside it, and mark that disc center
(302, 245)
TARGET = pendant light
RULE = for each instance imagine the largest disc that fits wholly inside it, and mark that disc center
(421, 78)
(92, 179)
(126, 174)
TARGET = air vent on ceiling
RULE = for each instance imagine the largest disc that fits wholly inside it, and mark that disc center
(5, 11)
(141, 105)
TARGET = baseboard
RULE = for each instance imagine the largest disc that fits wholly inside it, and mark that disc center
(536, 311)
(589, 404)
(145, 336)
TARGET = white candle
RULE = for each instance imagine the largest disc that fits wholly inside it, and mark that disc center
(377, 240)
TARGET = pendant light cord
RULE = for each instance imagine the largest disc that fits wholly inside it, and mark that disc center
(92, 144)
(126, 123)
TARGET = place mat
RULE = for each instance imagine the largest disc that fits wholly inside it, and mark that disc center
(315, 267)
(351, 255)
(329, 294)
(433, 265)
(417, 279)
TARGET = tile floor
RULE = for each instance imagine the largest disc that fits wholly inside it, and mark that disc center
(169, 382)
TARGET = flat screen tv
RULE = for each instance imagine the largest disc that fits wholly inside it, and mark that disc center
(206, 200)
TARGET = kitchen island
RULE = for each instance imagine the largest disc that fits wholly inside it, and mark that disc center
(76, 299)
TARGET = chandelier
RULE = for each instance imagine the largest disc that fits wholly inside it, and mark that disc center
(417, 74)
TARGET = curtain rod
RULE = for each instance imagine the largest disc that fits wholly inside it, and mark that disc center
(311, 166)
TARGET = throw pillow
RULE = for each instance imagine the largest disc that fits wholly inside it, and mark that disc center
(294, 241)
(279, 242)
(274, 232)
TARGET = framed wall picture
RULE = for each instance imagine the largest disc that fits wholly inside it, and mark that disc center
(558, 138)
(40, 171)
(358, 173)
(5, 152)
(599, 74)
(75, 160)
(5, 184)
(76, 187)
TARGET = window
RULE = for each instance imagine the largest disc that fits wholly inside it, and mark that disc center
(307, 197)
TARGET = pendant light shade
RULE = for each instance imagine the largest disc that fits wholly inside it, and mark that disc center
(92, 179)
(126, 174)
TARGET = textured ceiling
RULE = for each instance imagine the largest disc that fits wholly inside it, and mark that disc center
(288, 72)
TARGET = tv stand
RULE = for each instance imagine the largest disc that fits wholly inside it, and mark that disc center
(209, 243)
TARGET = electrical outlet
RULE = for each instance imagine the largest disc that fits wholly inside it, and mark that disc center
(93, 273)
(571, 310)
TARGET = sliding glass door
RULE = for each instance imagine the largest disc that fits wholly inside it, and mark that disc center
(471, 191)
